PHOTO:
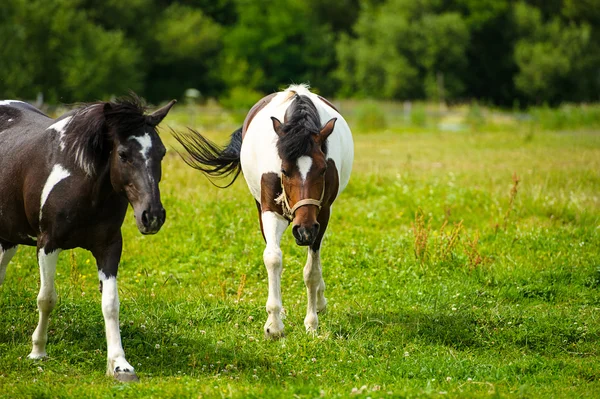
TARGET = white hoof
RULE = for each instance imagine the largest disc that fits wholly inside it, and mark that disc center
(37, 355)
(121, 370)
(274, 329)
(126, 376)
(311, 322)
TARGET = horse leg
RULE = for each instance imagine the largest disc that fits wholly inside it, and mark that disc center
(46, 299)
(313, 277)
(108, 258)
(273, 226)
(7, 251)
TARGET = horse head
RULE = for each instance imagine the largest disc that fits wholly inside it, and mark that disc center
(135, 164)
(303, 177)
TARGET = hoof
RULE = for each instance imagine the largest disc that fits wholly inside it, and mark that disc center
(37, 356)
(311, 323)
(274, 333)
(274, 336)
(126, 376)
(274, 329)
(311, 331)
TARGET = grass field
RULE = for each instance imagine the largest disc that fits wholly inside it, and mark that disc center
(458, 264)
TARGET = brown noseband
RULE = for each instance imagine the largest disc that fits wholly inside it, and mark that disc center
(289, 212)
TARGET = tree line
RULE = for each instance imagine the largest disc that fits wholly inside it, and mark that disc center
(502, 52)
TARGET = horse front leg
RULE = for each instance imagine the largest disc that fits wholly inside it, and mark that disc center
(313, 277)
(108, 259)
(273, 226)
(46, 300)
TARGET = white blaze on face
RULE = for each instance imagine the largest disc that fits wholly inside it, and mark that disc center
(61, 127)
(146, 144)
(304, 164)
(57, 174)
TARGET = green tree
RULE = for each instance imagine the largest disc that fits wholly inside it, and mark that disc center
(185, 54)
(547, 54)
(64, 55)
(275, 44)
(404, 49)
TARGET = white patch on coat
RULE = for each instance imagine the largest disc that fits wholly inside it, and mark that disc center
(8, 102)
(61, 128)
(10, 120)
(57, 174)
(304, 164)
(146, 144)
(102, 276)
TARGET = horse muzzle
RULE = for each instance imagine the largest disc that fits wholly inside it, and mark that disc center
(305, 235)
(151, 220)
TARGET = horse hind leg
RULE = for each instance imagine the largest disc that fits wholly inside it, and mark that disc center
(7, 251)
(315, 289)
(46, 300)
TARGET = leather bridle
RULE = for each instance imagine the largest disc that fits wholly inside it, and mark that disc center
(289, 212)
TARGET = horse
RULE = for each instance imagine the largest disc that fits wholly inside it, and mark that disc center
(66, 183)
(295, 170)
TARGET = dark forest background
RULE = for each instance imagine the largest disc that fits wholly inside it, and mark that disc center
(501, 52)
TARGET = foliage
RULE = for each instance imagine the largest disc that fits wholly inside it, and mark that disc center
(547, 53)
(494, 51)
(67, 58)
(277, 45)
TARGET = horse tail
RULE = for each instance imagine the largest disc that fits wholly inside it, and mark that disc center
(214, 161)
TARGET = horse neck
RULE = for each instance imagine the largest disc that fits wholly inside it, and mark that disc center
(102, 186)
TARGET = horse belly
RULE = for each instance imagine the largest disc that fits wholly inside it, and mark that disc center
(14, 226)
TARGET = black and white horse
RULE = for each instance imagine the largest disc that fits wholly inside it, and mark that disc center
(295, 170)
(66, 183)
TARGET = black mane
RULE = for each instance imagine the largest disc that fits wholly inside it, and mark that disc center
(302, 122)
(86, 138)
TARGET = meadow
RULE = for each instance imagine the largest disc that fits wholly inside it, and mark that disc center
(462, 261)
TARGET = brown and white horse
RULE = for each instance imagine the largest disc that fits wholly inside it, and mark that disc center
(66, 183)
(295, 170)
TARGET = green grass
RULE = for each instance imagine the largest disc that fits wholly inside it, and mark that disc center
(506, 304)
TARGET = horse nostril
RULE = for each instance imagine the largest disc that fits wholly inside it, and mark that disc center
(316, 228)
(145, 219)
(295, 231)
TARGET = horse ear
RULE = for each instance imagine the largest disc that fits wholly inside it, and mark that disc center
(277, 126)
(157, 116)
(327, 130)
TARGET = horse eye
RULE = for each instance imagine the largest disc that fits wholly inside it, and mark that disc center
(123, 156)
(284, 172)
